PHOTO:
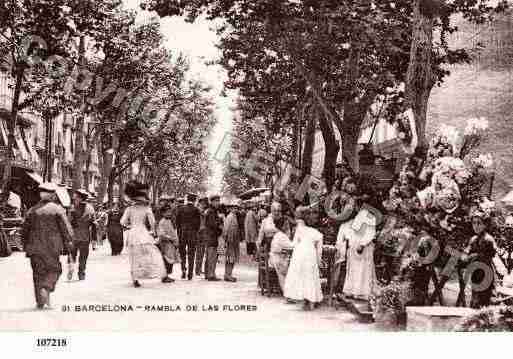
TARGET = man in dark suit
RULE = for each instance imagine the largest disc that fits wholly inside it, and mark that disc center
(214, 228)
(84, 227)
(188, 220)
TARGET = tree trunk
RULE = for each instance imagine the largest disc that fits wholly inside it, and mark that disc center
(110, 188)
(420, 76)
(11, 126)
(349, 128)
(78, 161)
(306, 165)
(331, 151)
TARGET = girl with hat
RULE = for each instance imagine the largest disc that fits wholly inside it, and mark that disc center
(146, 261)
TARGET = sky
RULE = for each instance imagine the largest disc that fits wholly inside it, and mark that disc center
(198, 41)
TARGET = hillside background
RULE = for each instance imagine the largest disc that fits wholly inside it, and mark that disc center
(482, 89)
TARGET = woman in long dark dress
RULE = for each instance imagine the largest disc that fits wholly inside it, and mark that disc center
(115, 230)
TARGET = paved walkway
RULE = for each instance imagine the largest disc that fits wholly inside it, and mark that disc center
(197, 305)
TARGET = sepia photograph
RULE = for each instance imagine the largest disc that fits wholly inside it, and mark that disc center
(261, 167)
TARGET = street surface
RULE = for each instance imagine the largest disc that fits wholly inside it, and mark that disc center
(108, 284)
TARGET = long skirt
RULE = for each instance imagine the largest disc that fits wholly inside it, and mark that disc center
(361, 273)
(303, 279)
(146, 260)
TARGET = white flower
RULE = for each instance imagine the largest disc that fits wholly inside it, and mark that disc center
(476, 126)
(450, 134)
(485, 161)
(346, 46)
(449, 165)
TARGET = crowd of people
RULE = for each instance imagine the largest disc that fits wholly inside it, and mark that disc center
(193, 233)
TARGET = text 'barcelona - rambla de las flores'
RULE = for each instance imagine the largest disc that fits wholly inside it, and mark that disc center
(95, 308)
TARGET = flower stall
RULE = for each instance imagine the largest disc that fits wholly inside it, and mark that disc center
(427, 226)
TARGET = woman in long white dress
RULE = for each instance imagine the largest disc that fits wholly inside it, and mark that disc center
(145, 258)
(303, 280)
(355, 243)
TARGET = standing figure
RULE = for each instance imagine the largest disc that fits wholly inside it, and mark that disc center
(251, 231)
(213, 224)
(145, 258)
(84, 227)
(202, 236)
(277, 259)
(303, 281)
(168, 242)
(46, 232)
(268, 229)
(481, 250)
(115, 230)
(355, 243)
(231, 235)
(101, 222)
(188, 220)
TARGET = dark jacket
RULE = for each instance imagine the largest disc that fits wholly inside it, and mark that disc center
(46, 231)
(83, 223)
(188, 218)
(214, 227)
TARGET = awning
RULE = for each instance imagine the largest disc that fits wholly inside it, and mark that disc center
(37, 178)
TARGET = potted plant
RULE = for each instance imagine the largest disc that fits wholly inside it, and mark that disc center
(389, 307)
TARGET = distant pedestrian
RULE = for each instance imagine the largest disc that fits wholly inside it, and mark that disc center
(145, 258)
(213, 224)
(84, 227)
(46, 233)
(115, 230)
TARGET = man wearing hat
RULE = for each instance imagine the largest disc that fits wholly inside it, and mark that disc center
(232, 237)
(45, 234)
(214, 228)
(84, 226)
(188, 220)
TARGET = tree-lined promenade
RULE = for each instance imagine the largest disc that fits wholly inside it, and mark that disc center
(128, 97)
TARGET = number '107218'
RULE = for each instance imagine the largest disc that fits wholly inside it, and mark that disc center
(51, 342)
